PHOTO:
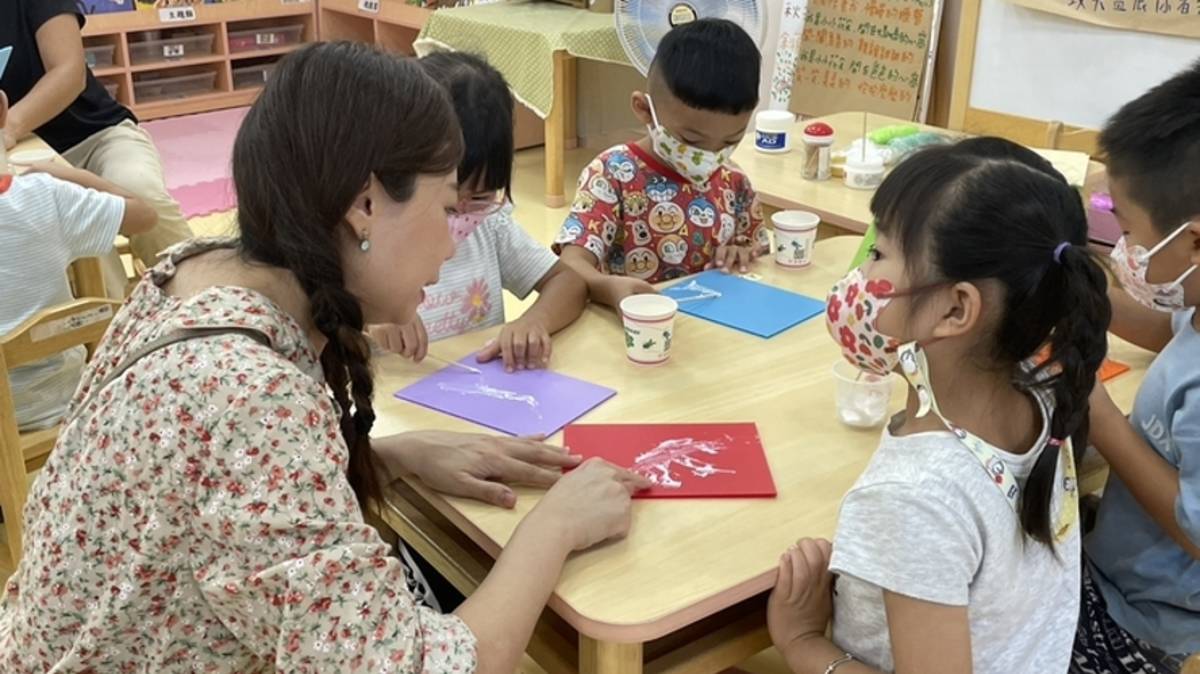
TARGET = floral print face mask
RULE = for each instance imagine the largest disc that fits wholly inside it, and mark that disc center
(693, 163)
(851, 314)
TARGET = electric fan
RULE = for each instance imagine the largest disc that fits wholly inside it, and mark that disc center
(642, 23)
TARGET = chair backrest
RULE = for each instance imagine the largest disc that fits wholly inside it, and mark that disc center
(49, 332)
(1191, 665)
(87, 278)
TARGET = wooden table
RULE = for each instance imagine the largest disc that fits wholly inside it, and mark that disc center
(685, 592)
(776, 177)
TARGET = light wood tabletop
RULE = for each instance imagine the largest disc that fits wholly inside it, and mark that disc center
(776, 177)
(686, 560)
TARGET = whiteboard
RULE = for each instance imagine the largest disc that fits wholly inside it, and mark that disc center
(1046, 67)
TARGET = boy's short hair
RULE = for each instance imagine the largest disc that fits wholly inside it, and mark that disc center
(1153, 144)
(709, 64)
(484, 107)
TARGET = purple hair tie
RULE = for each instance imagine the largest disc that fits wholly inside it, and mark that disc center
(1059, 251)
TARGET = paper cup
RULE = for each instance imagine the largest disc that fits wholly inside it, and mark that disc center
(649, 327)
(863, 398)
(795, 234)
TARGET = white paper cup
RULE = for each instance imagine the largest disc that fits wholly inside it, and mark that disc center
(795, 234)
(649, 327)
(863, 398)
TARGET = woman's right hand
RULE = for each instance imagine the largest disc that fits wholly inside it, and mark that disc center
(589, 505)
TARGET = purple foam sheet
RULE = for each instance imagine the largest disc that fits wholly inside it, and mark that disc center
(526, 402)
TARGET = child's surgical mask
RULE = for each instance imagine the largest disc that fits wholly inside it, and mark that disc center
(691, 162)
(1132, 263)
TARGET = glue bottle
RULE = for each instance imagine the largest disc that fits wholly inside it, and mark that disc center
(818, 144)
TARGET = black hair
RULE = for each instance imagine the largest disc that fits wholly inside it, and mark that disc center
(485, 112)
(709, 64)
(991, 147)
(1153, 143)
(959, 215)
(298, 165)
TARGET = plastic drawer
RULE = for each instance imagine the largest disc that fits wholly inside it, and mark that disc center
(99, 56)
(151, 88)
(172, 48)
(271, 37)
(249, 77)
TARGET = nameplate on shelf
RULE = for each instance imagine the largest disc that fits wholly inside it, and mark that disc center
(294, 2)
(177, 14)
(368, 6)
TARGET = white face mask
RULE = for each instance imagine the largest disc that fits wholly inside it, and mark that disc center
(1131, 265)
(693, 163)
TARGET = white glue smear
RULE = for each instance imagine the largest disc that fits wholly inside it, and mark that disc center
(701, 292)
(480, 389)
(686, 453)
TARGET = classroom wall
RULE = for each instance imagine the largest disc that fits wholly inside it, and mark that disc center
(605, 118)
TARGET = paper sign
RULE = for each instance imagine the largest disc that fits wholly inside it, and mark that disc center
(368, 6)
(681, 460)
(1169, 17)
(265, 39)
(171, 51)
(72, 322)
(177, 14)
(526, 402)
(742, 304)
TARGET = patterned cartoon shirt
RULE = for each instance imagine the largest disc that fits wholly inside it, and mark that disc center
(195, 515)
(642, 219)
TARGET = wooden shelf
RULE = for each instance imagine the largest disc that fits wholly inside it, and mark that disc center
(123, 29)
(179, 63)
(394, 12)
(216, 100)
(260, 53)
(241, 10)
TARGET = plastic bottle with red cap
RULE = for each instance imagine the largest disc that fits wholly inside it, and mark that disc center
(818, 146)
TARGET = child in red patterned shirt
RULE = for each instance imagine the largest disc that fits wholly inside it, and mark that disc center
(672, 204)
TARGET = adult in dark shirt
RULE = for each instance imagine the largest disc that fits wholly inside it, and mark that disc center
(57, 97)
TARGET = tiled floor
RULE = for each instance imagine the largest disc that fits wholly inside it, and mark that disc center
(543, 224)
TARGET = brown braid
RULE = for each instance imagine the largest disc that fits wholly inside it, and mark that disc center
(332, 116)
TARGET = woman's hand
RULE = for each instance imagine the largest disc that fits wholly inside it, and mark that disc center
(410, 341)
(473, 465)
(801, 604)
(589, 505)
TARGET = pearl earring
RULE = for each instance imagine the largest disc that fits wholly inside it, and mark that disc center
(365, 244)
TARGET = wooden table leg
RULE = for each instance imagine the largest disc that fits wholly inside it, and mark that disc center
(602, 657)
(558, 124)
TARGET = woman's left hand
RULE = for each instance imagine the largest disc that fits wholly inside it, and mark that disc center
(801, 604)
(474, 465)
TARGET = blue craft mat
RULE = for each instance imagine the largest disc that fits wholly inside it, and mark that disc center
(749, 306)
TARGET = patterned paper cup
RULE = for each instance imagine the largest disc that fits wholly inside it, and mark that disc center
(649, 327)
(795, 233)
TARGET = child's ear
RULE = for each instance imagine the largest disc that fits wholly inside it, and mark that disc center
(960, 309)
(641, 108)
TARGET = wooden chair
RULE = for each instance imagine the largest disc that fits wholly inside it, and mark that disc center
(1192, 665)
(49, 332)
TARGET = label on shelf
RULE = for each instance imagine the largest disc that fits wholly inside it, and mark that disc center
(369, 6)
(263, 39)
(177, 14)
(172, 51)
(294, 2)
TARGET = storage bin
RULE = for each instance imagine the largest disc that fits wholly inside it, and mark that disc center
(171, 48)
(250, 77)
(99, 56)
(111, 88)
(269, 37)
(160, 87)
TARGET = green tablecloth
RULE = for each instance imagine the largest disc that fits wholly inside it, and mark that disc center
(520, 37)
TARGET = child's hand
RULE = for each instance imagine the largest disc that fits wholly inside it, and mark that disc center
(801, 604)
(410, 341)
(735, 257)
(616, 288)
(524, 344)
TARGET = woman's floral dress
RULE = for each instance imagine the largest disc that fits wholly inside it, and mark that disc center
(196, 517)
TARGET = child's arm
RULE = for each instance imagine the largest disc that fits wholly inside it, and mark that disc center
(139, 217)
(926, 637)
(1154, 483)
(1137, 324)
(525, 342)
(603, 288)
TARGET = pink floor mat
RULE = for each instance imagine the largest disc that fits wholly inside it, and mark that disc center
(196, 152)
